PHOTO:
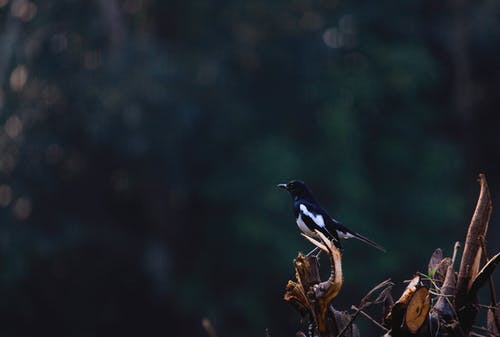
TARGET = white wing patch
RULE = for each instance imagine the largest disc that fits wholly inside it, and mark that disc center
(344, 235)
(317, 218)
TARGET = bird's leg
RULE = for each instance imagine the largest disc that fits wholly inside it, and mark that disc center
(312, 251)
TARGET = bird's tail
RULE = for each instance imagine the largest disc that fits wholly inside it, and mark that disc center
(367, 241)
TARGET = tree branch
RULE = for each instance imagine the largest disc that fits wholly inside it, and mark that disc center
(471, 257)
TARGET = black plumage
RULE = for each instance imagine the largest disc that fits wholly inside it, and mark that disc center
(309, 215)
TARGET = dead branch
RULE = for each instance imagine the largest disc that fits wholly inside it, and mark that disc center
(444, 305)
(307, 275)
(484, 275)
(309, 295)
(295, 295)
(367, 300)
(493, 316)
(384, 287)
(491, 284)
(492, 319)
(483, 329)
(387, 308)
(370, 318)
(456, 248)
(345, 323)
(324, 292)
(441, 270)
(471, 257)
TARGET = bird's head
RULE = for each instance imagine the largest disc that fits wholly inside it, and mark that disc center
(297, 189)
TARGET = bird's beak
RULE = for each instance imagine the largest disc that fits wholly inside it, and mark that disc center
(283, 186)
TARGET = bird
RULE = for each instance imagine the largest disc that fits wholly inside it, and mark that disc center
(309, 216)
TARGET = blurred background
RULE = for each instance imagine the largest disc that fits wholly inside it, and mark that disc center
(141, 142)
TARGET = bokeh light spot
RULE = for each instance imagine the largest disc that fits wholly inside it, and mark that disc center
(333, 38)
(24, 10)
(13, 126)
(22, 208)
(18, 77)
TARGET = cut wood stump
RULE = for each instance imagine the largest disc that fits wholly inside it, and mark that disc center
(311, 297)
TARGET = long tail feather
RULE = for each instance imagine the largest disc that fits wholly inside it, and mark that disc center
(344, 232)
(367, 241)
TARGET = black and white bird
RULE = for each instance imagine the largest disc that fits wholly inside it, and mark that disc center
(309, 216)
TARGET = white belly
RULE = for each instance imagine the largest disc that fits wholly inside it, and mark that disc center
(303, 227)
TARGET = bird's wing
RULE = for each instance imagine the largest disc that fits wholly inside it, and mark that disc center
(315, 218)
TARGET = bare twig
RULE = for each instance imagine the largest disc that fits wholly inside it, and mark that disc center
(440, 272)
(483, 275)
(456, 248)
(369, 317)
(351, 321)
(387, 284)
(483, 329)
(476, 334)
(484, 306)
(492, 319)
(493, 295)
(448, 298)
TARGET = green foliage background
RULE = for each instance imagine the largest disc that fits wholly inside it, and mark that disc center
(141, 143)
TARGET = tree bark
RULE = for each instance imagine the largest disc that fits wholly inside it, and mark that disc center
(471, 257)
(311, 297)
